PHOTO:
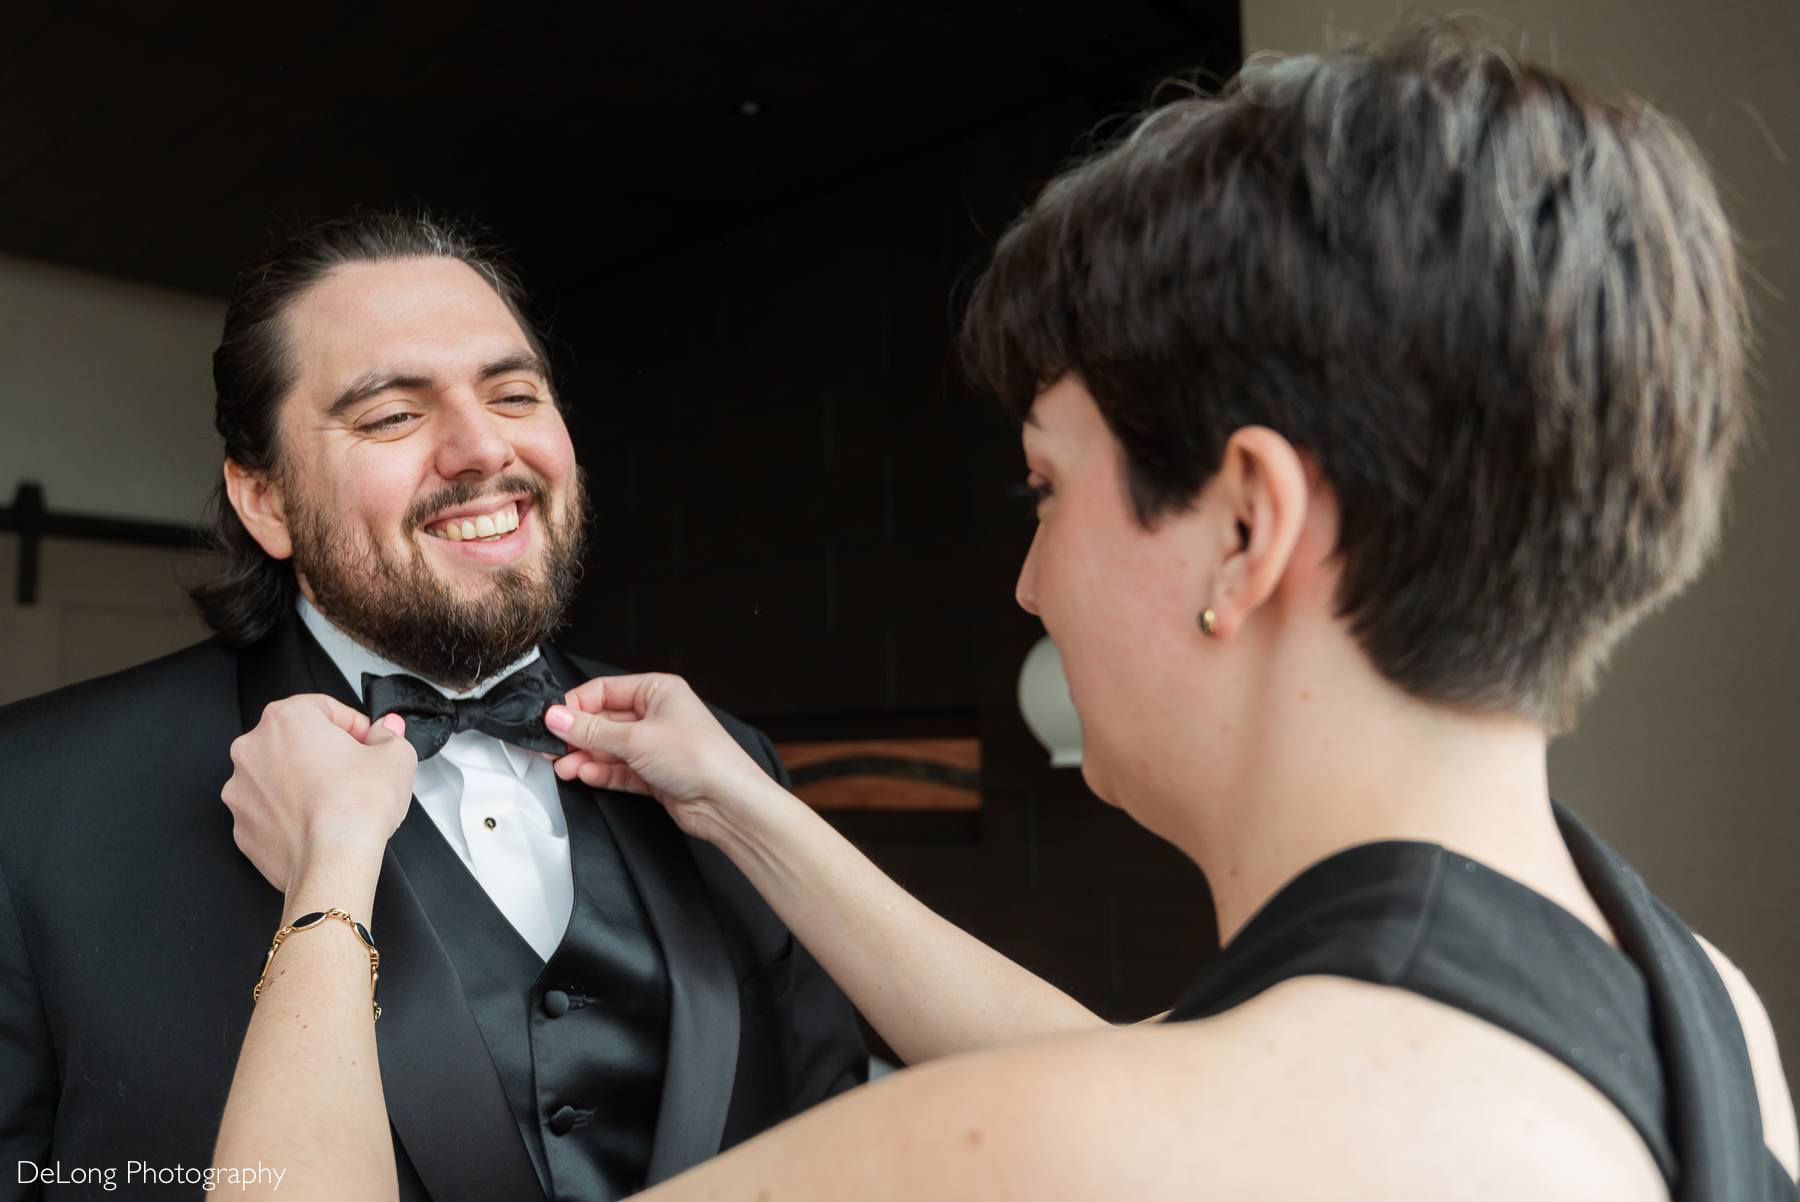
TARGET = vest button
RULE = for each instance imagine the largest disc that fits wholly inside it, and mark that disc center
(556, 1003)
(563, 1121)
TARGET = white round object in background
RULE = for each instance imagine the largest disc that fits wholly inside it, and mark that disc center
(1044, 700)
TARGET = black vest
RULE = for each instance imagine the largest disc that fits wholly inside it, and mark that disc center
(581, 1043)
(1648, 1023)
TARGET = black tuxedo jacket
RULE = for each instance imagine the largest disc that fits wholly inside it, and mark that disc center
(132, 930)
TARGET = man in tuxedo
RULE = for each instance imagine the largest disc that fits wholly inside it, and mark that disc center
(577, 1000)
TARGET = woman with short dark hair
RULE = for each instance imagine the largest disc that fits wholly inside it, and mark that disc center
(1368, 406)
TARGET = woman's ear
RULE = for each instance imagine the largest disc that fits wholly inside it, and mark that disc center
(1262, 489)
(259, 506)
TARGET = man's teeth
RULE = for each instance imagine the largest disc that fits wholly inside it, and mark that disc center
(488, 525)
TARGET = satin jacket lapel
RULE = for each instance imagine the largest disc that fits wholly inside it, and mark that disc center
(703, 1010)
(278, 666)
(443, 1092)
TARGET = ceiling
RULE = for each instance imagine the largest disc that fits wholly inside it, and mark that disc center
(167, 141)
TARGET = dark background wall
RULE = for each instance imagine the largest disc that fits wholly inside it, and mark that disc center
(802, 508)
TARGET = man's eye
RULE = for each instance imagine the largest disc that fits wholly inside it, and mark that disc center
(392, 421)
(517, 399)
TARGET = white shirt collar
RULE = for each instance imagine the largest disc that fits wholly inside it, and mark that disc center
(353, 659)
(475, 779)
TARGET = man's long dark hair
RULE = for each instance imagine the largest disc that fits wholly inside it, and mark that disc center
(253, 371)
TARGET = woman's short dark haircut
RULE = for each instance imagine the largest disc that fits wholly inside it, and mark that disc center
(1502, 315)
(253, 372)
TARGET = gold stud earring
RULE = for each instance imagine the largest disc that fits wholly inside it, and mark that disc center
(1209, 623)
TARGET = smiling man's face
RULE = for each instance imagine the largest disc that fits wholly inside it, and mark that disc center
(427, 486)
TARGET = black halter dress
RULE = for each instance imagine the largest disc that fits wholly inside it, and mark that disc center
(1649, 1023)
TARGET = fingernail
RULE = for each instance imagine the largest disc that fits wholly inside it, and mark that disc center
(558, 718)
(395, 723)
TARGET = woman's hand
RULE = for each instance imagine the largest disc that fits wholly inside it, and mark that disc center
(316, 791)
(650, 734)
(316, 780)
(930, 989)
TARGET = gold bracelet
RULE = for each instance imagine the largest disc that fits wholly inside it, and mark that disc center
(305, 923)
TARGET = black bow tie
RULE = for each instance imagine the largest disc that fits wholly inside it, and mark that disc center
(512, 711)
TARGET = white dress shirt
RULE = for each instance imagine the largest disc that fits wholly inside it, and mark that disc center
(496, 804)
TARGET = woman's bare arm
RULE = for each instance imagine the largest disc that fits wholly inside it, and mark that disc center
(310, 1051)
(1320, 1089)
(1765, 1062)
(315, 794)
(929, 988)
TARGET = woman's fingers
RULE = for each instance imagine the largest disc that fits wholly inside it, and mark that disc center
(299, 785)
(600, 770)
(622, 694)
(342, 716)
(647, 734)
(567, 766)
(391, 727)
(571, 725)
(629, 698)
(612, 776)
(387, 738)
(592, 732)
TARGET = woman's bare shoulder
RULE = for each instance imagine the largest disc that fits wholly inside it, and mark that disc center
(1765, 1062)
(1319, 1088)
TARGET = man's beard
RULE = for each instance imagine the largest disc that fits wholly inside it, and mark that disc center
(406, 613)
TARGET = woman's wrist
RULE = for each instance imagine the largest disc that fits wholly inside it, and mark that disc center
(340, 875)
(757, 825)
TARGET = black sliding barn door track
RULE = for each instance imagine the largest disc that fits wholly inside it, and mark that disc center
(28, 518)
